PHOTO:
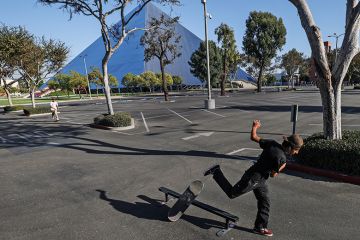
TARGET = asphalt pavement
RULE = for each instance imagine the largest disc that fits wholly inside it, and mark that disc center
(66, 180)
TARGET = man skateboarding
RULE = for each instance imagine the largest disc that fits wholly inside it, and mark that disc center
(271, 161)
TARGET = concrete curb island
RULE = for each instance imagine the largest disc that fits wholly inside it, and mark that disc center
(132, 125)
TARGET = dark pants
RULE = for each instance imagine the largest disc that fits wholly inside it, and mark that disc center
(250, 181)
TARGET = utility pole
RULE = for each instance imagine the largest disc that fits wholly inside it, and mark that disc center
(209, 103)
(87, 77)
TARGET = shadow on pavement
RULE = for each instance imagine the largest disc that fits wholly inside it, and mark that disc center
(28, 135)
(282, 108)
(133, 151)
(246, 132)
(152, 209)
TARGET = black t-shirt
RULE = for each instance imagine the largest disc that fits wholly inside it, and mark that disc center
(271, 158)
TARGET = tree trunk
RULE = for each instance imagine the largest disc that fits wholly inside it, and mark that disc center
(32, 94)
(164, 85)
(330, 79)
(106, 83)
(222, 84)
(260, 79)
(97, 91)
(8, 95)
(331, 101)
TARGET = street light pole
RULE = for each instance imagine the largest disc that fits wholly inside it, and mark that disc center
(87, 77)
(336, 43)
(209, 103)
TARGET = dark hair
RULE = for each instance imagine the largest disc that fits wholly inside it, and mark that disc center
(294, 141)
(287, 144)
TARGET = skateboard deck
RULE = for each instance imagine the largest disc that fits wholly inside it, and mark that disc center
(185, 200)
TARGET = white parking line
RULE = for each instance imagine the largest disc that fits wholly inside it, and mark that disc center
(180, 116)
(242, 149)
(146, 126)
(212, 112)
(194, 107)
(76, 123)
(221, 106)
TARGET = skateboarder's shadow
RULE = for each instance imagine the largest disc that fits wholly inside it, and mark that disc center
(152, 209)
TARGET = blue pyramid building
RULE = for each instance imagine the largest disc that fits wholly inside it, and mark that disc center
(130, 55)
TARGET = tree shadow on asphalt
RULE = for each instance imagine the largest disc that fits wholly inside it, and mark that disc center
(153, 209)
(283, 108)
(133, 151)
(35, 135)
(248, 132)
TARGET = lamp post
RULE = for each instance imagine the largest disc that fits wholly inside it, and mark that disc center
(336, 43)
(87, 77)
(209, 103)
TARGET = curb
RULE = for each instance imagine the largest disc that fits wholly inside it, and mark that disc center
(323, 173)
(39, 114)
(114, 128)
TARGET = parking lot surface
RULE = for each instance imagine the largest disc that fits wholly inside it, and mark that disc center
(66, 180)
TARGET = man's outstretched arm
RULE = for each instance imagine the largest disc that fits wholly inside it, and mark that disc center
(254, 137)
(274, 174)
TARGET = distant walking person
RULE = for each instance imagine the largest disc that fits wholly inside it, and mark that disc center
(54, 106)
(272, 160)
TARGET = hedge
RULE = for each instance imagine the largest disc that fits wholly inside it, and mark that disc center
(37, 110)
(120, 119)
(13, 108)
(337, 155)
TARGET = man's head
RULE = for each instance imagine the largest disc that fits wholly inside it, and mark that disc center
(53, 99)
(292, 144)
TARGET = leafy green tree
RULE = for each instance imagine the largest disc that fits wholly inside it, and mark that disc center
(129, 80)
(41, 59)
(96, 77)
(264, 36)
(53, 85)
(162, 42)
(150, 80)
(168, 78)
(177, 80)
(13, 42)
(78, 81)
(198, 65)
(292, 62)
(270, 79)
(64, 82)
(229, 53)
(113, 36)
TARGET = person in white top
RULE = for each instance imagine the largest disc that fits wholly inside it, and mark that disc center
(54, 106)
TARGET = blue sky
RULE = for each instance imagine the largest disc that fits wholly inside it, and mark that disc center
(81, 31)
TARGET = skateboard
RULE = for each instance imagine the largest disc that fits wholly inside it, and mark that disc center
(185, 200)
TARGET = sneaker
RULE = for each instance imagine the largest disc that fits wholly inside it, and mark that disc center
(263, 231)
(212, 170)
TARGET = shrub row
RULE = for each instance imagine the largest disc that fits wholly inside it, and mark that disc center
(13, 108)
(338, 155)
(37, 110)
(120, 119)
